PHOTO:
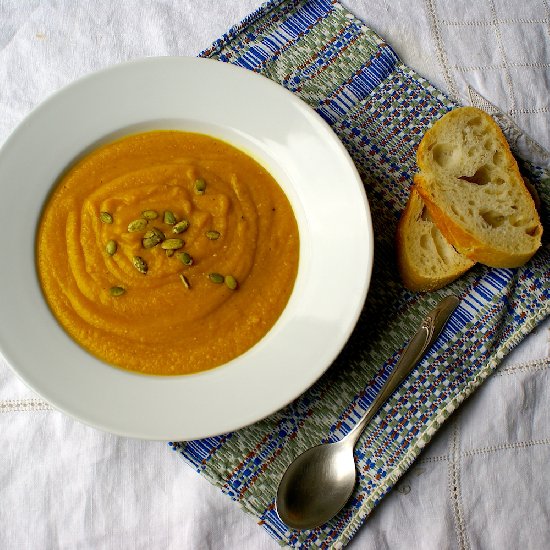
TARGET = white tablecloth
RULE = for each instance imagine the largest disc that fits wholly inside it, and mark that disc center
(483, 483)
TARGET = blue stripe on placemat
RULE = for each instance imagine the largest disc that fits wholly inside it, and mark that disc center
(359, 86)
(200, 451)
(296, 25)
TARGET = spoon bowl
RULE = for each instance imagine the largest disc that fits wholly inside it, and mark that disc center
(317, 485)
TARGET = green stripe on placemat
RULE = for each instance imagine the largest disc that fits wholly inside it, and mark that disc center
(380, 109)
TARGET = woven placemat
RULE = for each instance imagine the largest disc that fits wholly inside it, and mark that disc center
(380, 109)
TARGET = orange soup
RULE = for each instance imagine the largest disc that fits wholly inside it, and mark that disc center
(167, 252)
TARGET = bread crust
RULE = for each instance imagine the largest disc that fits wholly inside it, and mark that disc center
(407, 259)
(465, 242)
(460, 236)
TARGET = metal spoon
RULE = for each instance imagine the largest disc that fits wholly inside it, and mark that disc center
(319, 482)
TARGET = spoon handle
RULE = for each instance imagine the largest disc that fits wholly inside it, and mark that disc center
(426, 335)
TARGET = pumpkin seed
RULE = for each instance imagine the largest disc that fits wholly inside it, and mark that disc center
(185, 258)
(149, 242)
(111, 247)
(185, 281)
(200, 186)
(140, 264)
(212, 235)
(216, 278)
(158, 233)
(169, 253)
(137, 225)
(231, 282)
(180, 227)
(172, 244)
(150, 214)
(117, 291)
(152, 238)
(169, 217)
(105, 217)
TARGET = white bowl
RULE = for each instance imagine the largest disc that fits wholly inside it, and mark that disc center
(283, 134)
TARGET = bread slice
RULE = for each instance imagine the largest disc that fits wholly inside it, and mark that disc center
(426, 260)
(473, 190)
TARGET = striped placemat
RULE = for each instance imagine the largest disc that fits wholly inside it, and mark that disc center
(380, 109)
